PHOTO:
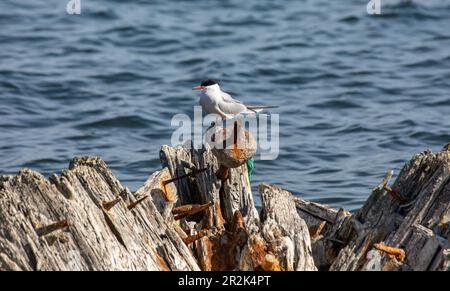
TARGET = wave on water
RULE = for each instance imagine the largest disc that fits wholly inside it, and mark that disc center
(131, 121)
(358, 94)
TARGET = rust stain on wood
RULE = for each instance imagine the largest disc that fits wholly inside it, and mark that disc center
(206, 259)
(161, 262)
(220, 252)
(271, 263)
(222, 249)
(159, 259)
(238, 222)
(168, 195)
(219, 217)
(220, 255)
(258, 252)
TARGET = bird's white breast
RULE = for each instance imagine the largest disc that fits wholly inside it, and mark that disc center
(209, 101)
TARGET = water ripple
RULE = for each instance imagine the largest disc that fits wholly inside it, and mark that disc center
(117, 122)
(358, 94)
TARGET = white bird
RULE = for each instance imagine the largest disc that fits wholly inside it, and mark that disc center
(214, 101)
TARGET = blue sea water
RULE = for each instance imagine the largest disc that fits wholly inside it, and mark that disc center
(358, 93)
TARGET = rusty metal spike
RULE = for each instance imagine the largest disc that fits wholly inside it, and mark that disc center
(190, 209)
(397, 253)
(395, 194)
(53, 227)
(107, 205)
(192, 238)
(195, 172)
(134, 204)
(183, 208)
(317, 229)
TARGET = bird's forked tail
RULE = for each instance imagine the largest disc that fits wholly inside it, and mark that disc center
(259, 108)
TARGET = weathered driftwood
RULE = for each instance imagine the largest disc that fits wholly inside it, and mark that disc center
(413, 215)
(403, 227)
(199, 188)
(84, 219)
(422, 222)
(323, 223)
(185, 218)
(236, 239)
(285, 232)
(162, 191)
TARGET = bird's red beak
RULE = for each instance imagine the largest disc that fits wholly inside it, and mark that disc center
(198, 88)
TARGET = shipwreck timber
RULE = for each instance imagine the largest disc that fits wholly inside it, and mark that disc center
(185, 218)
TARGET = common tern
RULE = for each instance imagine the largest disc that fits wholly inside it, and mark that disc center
(214, 101)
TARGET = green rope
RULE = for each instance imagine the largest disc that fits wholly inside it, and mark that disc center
(250, 165)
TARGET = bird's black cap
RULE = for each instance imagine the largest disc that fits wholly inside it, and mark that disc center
(208, 82)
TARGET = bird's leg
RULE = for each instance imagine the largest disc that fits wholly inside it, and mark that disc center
(235, 135)
(216, 123)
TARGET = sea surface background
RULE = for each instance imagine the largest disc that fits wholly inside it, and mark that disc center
(358, 93)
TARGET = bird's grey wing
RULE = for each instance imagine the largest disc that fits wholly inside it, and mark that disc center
(232, 107)
(227, 97)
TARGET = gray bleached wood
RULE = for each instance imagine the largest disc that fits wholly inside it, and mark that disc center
(284, 231)
(84, 219)
(244, 243)
(417, 224)
(94, 239)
